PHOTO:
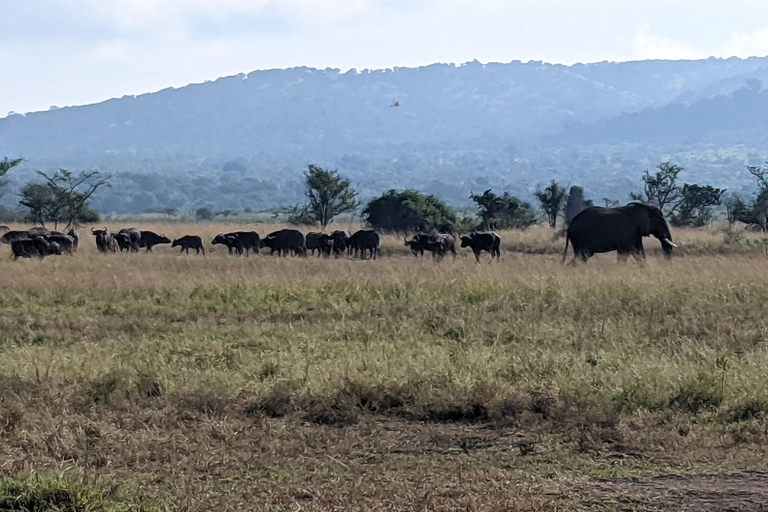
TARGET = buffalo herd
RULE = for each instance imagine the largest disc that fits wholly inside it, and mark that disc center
(363, 244)
(40, 242)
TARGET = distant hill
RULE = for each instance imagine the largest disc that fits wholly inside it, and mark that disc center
(244, 140)
(737, 117)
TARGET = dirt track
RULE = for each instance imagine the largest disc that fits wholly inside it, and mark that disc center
(701, 493)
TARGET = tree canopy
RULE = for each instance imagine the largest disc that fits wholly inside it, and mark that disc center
(328, 195)
(502, 212)
(551, 200)
(62, 197)
(5, 166)
(409, 211)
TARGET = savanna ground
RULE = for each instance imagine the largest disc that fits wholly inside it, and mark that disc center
(166, 382)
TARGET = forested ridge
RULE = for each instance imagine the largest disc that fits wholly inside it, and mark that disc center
(243, 141)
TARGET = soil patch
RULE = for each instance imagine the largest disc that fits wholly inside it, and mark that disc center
(700, 493)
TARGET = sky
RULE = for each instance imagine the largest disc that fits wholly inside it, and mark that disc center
(75, 52)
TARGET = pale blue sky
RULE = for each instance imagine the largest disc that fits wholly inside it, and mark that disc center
(71, 52)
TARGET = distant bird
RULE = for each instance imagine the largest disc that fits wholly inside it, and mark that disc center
(396, 103)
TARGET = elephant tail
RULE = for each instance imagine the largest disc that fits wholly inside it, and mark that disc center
(567, 239)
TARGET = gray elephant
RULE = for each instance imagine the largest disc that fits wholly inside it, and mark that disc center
(599, 229)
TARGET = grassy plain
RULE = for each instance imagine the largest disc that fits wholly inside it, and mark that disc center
(173, 382)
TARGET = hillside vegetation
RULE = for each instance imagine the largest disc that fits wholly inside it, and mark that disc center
(167, 382)
(243, 141)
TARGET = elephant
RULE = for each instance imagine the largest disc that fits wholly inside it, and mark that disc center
(598, 229)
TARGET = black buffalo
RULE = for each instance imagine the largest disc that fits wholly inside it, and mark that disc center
(65, 243)
(320, 242)
(439, 244)
(105, 241)
(150, 239)
(230, 241)
(189, 242)
(10, 236)
(599, 229)
(480, 241)
(286, 241)
(129, 239)
(340, 241)
(34, 247)
(365, 240)
(239, 241)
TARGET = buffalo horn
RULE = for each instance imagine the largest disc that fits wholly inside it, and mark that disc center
(669, 242)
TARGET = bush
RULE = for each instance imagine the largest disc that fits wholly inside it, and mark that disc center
(409, 211)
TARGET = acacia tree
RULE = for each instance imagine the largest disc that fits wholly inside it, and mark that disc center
(40, 201)
(502, 212)
(551, 199)
(754, 213)
(63, 197)
(660, 189)
(5, 166)
(696, 202)
(328, 195)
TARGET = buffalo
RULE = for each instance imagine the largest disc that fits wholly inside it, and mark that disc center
(189, 242)
(150, 239)
(340, 242)
(10, 236)
(480, 241)
(365, 240)
(230, 241)
(285, 241)
(65, 243)
(105, 241)
(438, 244)
(320, 242)
(239, 241)
(599, 229)
(129, 239)
(34, 247)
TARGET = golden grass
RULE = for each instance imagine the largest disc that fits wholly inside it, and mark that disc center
(263, 382)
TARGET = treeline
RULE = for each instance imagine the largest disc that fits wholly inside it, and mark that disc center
(63, 197)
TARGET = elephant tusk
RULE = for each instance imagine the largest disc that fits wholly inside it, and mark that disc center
(670, 242)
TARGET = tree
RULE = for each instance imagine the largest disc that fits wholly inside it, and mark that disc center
(409, 211)
(551, 199)
(575, 203)
(696, 202)
(502, 212)
(661, 189)
(63, 197)
(329, 195)
(5, 166)
(754, 213)
(204, 213)
(41, 202)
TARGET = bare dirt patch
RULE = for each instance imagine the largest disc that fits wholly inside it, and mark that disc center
(700, 493)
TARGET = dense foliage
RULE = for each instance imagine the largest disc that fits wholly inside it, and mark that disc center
(63, 197)
(409, 211)
(328, 195)
(502, 212)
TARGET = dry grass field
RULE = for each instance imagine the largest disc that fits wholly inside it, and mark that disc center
(171, 382)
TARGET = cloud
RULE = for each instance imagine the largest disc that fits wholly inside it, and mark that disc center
(752, 44)
(652, 46)
(67, 52)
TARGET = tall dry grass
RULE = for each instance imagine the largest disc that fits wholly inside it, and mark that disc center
(128, 365)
